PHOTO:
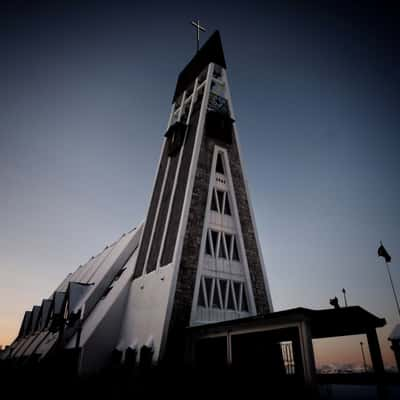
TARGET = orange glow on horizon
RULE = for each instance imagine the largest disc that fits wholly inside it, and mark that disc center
(8, 332)
(347, 351)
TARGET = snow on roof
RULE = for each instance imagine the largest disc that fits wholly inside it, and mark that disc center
(85, 271)
(110, 288)
(105, 272)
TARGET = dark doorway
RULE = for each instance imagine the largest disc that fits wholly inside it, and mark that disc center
(211, 353)
(257, 352)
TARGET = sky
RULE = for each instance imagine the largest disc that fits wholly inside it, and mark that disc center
(86, 91)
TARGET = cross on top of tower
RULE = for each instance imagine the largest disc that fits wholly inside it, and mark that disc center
(199, 28)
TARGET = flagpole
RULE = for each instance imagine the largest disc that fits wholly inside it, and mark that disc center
(394, 291)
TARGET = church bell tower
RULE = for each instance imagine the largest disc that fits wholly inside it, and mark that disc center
(199, 259)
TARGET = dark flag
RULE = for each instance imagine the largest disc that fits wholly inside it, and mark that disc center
(383, 253)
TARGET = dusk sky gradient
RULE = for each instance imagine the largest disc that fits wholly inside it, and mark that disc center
(86, 90)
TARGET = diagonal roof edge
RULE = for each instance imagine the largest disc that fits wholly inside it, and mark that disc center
(211, 51)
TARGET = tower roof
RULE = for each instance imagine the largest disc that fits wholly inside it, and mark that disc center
(211, 51)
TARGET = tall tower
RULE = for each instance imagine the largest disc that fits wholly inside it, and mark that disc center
(199, 259)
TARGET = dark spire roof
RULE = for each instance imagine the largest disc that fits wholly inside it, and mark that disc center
(211, 51)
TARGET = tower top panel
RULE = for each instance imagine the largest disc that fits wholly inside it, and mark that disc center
(211, 52)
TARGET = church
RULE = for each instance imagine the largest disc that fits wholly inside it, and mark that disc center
(189, 285)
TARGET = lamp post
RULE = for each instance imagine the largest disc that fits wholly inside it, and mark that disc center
(345, 298)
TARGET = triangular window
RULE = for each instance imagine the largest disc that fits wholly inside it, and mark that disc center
(228, 240)
(223, 285)
(236, 286)
(230, 304)
(227, 208)
(202, 300)
(220, 196)
(220, 166)
(216, 300)
(208, 284)
(214, 240)
(245, 306)
(222, 250)
(208, 245)
(235, 253)
(214, 205)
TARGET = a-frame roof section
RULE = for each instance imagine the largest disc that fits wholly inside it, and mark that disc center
(211, 52)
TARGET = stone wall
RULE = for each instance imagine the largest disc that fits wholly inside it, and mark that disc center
(191, 247)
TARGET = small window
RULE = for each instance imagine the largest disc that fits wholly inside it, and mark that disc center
(220, 166)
